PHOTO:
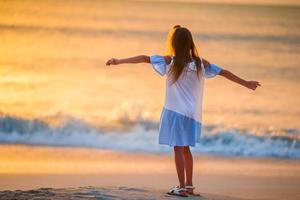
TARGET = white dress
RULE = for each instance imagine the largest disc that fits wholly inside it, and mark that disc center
(181, 117)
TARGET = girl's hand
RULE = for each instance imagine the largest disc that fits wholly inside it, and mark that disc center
(252, 84)
(112, 61)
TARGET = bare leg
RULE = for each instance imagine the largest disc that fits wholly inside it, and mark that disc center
(179, 161)
(188, 162)
(188, 158)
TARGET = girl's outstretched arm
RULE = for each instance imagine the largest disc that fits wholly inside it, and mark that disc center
(249, 84)
(135, 59)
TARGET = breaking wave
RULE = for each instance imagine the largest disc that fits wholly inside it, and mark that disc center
(143, 137)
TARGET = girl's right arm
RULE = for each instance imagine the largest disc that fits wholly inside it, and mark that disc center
(135, 59)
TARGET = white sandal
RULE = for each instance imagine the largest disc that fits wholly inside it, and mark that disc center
(177, 191)
(190, 190)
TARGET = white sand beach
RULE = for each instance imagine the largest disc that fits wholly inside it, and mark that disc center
(101, 174)
(109, 193)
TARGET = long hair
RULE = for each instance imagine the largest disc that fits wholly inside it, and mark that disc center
(181, 45)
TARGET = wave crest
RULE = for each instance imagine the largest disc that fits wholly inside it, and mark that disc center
(143, 137)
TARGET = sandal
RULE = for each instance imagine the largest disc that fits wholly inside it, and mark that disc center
(190, 190)
(177, 191)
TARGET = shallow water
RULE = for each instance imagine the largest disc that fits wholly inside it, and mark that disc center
(52, 69)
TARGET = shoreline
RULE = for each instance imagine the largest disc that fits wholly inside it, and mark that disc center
(169, 153)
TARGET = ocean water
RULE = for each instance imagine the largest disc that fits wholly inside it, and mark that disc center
(56, 90)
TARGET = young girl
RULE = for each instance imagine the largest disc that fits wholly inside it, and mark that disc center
(180, 121)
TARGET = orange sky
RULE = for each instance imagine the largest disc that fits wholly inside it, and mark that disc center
(275, 2)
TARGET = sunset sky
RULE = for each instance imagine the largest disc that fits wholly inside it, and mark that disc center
(267, 2)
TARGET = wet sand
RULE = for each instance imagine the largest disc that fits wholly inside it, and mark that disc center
(100, 174)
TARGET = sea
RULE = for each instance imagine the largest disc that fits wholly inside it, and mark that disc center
(55, 89)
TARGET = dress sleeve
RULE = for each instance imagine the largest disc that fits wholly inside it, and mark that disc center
(159, 64)
(212, 70)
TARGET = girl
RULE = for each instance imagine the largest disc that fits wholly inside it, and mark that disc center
(180, 121)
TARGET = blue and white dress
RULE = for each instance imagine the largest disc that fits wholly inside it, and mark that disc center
(181, 117)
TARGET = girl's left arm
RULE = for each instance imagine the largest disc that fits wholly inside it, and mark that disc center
(249, 84)
(135, 59)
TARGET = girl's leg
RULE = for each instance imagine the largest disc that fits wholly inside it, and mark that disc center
(188, 162)
(179, 161)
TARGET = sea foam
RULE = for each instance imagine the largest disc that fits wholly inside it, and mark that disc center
(143, 137)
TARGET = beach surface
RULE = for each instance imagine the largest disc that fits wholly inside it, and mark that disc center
(101, 193)
(68, 172)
